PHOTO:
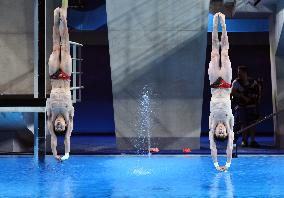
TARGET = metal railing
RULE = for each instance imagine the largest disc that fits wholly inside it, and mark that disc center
(76, 78)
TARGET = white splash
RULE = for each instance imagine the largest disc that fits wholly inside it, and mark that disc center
(144, 122)
(141, 171)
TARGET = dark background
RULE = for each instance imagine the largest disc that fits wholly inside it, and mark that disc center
(95, 113)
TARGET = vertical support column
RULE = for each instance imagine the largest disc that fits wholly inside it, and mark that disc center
(41, 136)
(36, 135)
(40, 146)
(276, 38)
(35, 49)
(74, 65)
(41, 50)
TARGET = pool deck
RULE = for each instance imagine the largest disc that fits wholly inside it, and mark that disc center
(107, 145)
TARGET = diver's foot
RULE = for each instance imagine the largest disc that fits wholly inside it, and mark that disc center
(222, 19)
(215, 21)
(63, 24)
(56, 16)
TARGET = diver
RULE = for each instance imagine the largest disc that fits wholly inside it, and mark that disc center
(221, 119)
(60, 111)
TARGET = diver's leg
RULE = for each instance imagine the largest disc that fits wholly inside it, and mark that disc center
(214, 69)
(226, 69)
(54, 61)
(66, 61)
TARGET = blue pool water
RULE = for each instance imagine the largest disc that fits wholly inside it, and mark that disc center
(141, 176)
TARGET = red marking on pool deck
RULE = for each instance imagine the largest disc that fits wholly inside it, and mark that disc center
(154, 150)
(186, 150)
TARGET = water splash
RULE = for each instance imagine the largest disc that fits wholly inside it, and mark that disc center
(144, 121)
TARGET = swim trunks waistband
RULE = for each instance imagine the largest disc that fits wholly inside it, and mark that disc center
(220, 83)
(60, 75)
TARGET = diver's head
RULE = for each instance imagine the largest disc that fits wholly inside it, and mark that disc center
(220, 132)
(59, 124)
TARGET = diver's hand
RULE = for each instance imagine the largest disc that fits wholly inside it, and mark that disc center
(65, 157)
(218, 168)
(223, 168)
(57, 157)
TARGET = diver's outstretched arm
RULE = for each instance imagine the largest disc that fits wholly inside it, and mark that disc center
(68, 134)
(51, 130)
(213, 150)
(212, 143)
(53, 140)
(229, 151)
(67, 147)
(53, 146)
(230, 141)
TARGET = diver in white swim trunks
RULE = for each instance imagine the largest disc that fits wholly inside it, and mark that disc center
(221, 119)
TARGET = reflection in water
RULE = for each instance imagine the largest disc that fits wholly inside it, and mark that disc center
(157, 176)
(216, 188)
(53, 178)
(61, 188)
(140, 171)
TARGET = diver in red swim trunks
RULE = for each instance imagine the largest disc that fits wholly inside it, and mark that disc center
(60, 63)
(59, 106)
(221, 119)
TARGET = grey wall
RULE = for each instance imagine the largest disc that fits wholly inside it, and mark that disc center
(17, 68)
(157, 54)
(276, 37)
(16, 46)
